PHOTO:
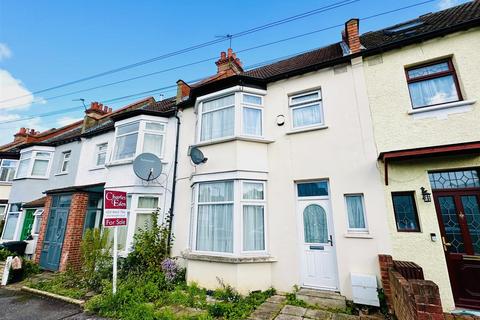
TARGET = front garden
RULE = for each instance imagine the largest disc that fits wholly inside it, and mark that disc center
(150, 285)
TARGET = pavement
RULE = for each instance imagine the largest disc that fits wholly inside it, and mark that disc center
(18, 305)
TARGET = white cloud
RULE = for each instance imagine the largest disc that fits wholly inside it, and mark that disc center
(445, 4)
(66, 120)
(5, 52)
(12, 88)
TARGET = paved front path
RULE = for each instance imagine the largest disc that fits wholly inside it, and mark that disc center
(275, 308)
(17, 305)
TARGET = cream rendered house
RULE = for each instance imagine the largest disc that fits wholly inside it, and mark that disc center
(424, 92)
(290, 193)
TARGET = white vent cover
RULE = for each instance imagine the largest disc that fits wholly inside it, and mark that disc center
(364, 289)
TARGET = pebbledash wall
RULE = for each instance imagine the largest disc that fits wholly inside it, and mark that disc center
(343, 151)
(396, 129)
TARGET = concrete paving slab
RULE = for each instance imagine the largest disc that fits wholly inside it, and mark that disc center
(294, 311)
(288, 317)
(318, 314)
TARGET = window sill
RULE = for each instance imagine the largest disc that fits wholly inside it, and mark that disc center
(97, 168)
(358, 235)
(119, 163)
(5, 183)
(239, 138)
(224, 259)
(61, 174)
(36, 178)
(307, 129)
(443, 106)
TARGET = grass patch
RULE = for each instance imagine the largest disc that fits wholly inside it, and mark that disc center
(65, 284)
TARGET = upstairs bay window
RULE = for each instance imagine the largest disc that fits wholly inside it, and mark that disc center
(138, 137)
(433, 84)
(306, 110)
(7, 170)
(230, 217)
(34, 164)
(232, 115)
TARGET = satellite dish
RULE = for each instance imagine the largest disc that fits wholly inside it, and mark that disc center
(147, 166)
(197, 156)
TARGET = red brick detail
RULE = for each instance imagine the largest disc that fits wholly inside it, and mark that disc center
(386, 263)
(183, 90)
(229, 63)
(71, 256)
(43, 228)
(352, 35)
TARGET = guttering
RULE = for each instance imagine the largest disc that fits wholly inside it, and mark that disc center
(172, 202)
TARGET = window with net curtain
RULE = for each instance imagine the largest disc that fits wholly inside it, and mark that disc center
(122, 230)
(355, 212)
(11, 223)
(252, 115)
(146, 206)
(40, 164)
(433, 84)
(215, 217)
(253, 216)
(315, 225)
(7, 170)
(153, 138)
(218, 118)
(126, 141)
(306, 109)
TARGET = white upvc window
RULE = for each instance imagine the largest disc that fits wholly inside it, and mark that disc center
(138, 137)
(306, 110)
(356, 219)
(37, 222)
(34, 164)
(101, 154)
(65, 163)
(7, 170)
(11, 221)
(146, 206)
(229, 218)
(231, 115)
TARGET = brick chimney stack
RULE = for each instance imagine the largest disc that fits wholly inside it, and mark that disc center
(25, 135)
(228, 63)
(351, 35)
(183, 91)
(94, 114)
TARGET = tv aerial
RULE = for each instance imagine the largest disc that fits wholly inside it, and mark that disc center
(197, 156)
(226, 36)
(147, 166)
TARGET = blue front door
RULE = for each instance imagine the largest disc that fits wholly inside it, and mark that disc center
(53, 241)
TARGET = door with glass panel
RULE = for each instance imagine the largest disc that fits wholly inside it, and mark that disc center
(457, 202)
(319, 268)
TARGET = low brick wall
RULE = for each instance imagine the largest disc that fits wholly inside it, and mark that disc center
(409, 299)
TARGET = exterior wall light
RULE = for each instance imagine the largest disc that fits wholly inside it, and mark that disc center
(426, 195)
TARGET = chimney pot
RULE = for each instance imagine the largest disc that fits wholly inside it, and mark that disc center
(32, 132)
(223, 55)
(105, 109)
(230, 52)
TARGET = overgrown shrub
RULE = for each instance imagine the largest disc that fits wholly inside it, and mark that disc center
(66, 284)
(29, 268)
(96, 258)
(149, 248)
(4, 253)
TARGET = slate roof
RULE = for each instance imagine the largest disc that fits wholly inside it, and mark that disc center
(429, 25)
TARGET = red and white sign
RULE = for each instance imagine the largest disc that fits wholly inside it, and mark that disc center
(115, 208)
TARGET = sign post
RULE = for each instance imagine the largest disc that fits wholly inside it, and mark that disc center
(114, 215)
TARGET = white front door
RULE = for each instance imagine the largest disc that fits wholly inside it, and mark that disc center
(319, 269)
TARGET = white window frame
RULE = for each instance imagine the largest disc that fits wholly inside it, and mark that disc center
(65, 160)
(7, 217)
(253, 202)
(37, 220)
(31, 161)
(238, 203)
(4, 211)
(140, 137)
(239, 105)
(98, 152)
(293, 106)
(365, 220)
(2, 166)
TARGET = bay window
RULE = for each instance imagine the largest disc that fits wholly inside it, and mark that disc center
(229, 217)
(34, 164)
(306, 110)
(235, 114)
(7, 170)
(138, 137)
(146, 206)
(433, 84)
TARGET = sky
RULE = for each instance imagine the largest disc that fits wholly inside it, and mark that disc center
(44, 44)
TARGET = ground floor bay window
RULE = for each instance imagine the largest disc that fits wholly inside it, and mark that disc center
(229, 217)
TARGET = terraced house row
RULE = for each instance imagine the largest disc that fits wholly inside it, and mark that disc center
(317, 165)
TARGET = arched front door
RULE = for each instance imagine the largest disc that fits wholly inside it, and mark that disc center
(319, 269)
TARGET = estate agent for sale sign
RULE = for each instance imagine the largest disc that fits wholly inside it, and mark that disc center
(115, 204)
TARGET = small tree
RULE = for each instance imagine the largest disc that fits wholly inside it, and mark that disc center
(96, 257)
